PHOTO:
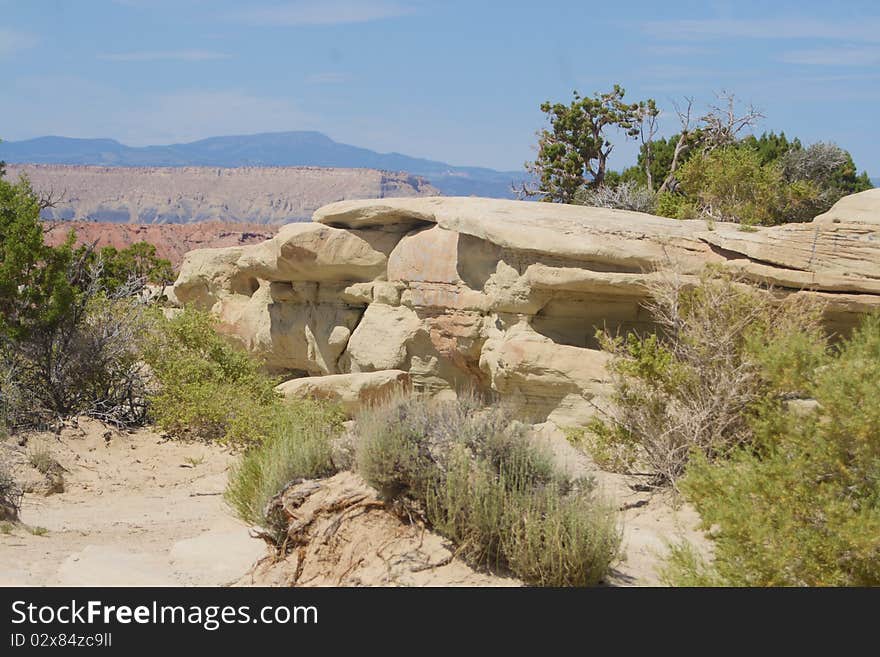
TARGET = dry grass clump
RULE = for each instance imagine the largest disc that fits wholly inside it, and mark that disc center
(10, 495)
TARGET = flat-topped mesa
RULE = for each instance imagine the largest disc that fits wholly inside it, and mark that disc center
(162, 195)
(501, 295)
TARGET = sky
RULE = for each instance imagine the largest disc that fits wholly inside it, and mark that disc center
(452, 80)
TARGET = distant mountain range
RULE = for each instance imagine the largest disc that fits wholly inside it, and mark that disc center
(274, 149)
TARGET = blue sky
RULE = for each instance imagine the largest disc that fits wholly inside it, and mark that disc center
(459, 81)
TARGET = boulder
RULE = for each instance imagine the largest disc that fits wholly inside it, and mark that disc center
(544, 380)
(352, 391)
(861, 208)
(503, 296)
(382, 338)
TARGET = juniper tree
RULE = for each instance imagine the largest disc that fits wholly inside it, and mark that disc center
(573, 152)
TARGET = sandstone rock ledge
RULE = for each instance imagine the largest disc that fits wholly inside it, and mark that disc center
(502, 295)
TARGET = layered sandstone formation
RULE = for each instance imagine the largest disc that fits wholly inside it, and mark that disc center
(162, 195)
(504, 296)
(172, 241)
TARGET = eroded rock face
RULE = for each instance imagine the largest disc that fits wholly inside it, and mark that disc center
(503, 296)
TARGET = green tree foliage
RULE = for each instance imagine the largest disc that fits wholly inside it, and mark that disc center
(137, 262)
(731, 184)
(659, 160)
(761, 181)
(38, 284)
(574, 151)
(710, 169)
(67, 339)
(771, 147)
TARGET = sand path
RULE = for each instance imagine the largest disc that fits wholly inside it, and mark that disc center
(137, 510)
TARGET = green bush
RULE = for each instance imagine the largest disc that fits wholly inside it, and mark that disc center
(477, 479)
(296, 444)
(802, 506)
(208, 388)
(731, 184)
(675, 206)
(87, 363)
(139, 260)
(722, 349)
(753, 184)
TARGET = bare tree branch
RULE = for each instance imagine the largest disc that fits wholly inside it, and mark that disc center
(684, 117)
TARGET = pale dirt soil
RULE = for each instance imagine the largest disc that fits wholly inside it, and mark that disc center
(134, 511)
(141, 510)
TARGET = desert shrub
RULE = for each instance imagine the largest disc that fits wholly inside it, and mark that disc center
(611, 451)
(14, 411)
(41, 459)
(67, 340)
(731, 184)
(801, 507)
(10, 494)
(87, 363)
(676, 206)
(627, 195)
(139, 261)
(722, 349)
(828, 170)
(296, 444)
(476, 478)
(762, 181)
(553, 540)
(207, 388)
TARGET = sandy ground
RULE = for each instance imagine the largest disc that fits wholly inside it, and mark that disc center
(136, 510)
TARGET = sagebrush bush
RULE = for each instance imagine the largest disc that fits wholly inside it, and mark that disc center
(675, 206)
(87, 363)
(207, 387)
(476, 478)
(801, 507)
(552, 540)
(296, 444)
(694, 386)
